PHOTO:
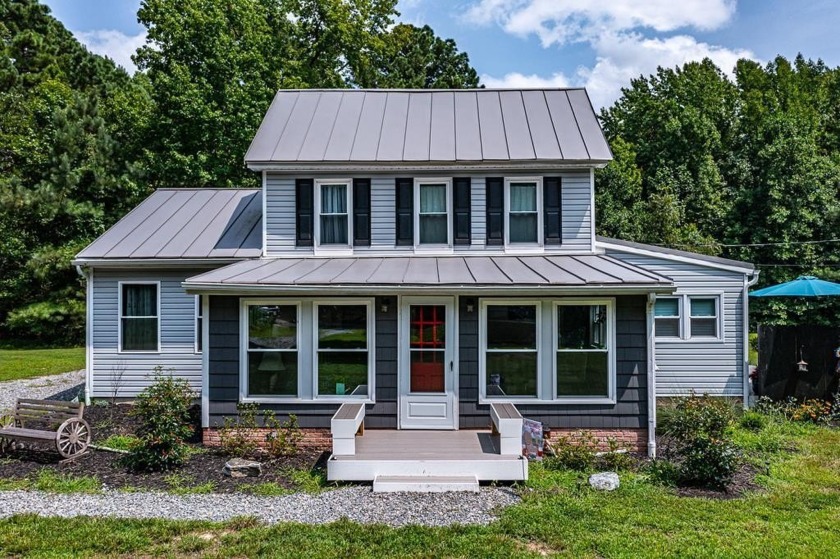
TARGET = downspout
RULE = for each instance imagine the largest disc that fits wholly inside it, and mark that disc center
(651, 377)
(748, 282)
(87, 274)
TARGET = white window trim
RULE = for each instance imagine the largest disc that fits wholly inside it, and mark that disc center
(482, 351)
(199, 314)
(333, 248)
(243, 351)
(371, 349)
(418, 247)
(120, 316)
(679, 317)
(685, 319)
(611, 352)
(538, 182)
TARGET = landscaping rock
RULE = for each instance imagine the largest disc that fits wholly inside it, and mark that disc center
(243, 468)
(604, 481)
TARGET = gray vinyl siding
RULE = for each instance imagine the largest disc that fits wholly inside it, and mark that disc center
(125, 375)
(280, 212)
(224, 371)
(705, 367)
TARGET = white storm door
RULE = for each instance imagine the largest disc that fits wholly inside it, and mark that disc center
(428, 368)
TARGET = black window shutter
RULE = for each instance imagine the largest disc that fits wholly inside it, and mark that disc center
(552, 210)
(495, 211)
(305, 208)
(361, 212)
(462, 203)
(405, 211)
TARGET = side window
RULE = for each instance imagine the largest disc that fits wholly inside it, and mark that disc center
(433, 216)
(703, 317)
(199, 322)
(667, 317)
(523, 200)
(139, 320)
(272, 352)
(333, 203)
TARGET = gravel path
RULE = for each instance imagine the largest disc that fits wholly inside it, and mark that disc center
(65, 386)
(358, 504)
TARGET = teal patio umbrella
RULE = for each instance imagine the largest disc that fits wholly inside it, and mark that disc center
(803, 286)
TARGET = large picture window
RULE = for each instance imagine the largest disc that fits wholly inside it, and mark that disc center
(582, 336)
(333, 213)
(139, 317)
(432, 202)
(511, 349)
(343, 352)
(523, 201)
(272, 352)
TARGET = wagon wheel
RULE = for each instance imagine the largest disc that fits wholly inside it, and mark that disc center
(73, 437)
(6, 421)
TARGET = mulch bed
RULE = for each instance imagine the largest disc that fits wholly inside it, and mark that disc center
(204, 466)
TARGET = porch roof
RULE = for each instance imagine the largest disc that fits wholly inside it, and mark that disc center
(504, 271)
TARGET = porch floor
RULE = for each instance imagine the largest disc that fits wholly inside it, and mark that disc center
(427, 453)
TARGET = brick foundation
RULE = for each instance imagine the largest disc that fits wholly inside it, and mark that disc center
(634, 440)
(313, 439)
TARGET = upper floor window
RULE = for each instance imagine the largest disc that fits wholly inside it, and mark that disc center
(523, 201)
(139, 316)
(334, 223)
(432, 216)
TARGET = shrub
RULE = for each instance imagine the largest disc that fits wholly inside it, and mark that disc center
(811, 411)
(572, 455)
(696, 435)
(164, 413)
(752, 421)
(283, 438)
(235, 433)
(663, 472)
(615, 459)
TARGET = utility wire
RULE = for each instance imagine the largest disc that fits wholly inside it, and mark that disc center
(783, 243)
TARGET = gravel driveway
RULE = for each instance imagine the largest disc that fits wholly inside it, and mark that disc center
(357, 503)
(65, 386)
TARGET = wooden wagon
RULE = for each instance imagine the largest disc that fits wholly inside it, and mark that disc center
(54, 421)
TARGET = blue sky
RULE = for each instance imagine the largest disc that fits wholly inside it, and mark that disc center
(593, 43)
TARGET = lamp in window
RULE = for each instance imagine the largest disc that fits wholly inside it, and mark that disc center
(272, 363)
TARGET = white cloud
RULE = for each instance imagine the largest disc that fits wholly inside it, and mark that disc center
(629, 38)
(116, 45)
(517, 80)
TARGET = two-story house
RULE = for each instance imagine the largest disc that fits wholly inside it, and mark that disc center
(430, 255)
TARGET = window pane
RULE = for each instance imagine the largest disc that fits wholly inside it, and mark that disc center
(139, 334)
(334, 198)
(582, 326)
(427, 326)
(667, 307)
(667, 327)
(511, 327)
(139, 300)
(272, 327)
(333, 230)
(342, 327)
(523, 228)
(511, 374)
(272, 373)
(433, 230)
(523, 197)
(704, 327)
(582, 373)
(199, 341)
(432, 198)
(427, 370)
(703, 307)
(342, 373)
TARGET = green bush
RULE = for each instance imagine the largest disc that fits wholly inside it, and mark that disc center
(164, 413)
(615, 459)
(235, 434)
(575, 455)
(753, 421)
(663, 472)
(283, 438)
(696, 435)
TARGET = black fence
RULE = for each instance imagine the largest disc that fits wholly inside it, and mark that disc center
(798, 361)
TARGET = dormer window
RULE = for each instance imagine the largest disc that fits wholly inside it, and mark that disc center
(523, 201)
(433, 217)
(333, 228)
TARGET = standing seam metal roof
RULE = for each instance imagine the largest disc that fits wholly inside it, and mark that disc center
(474, 125)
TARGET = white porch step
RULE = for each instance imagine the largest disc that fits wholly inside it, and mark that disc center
(425, 484)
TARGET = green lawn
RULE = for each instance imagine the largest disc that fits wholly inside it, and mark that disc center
(26, 363)
(794, 515)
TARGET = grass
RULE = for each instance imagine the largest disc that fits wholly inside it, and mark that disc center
(52, 482)
(16, 364)
(119, 442)
(180, 484)
(794, 515)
